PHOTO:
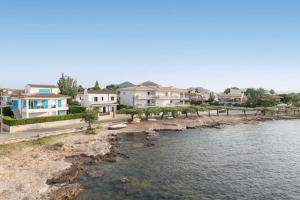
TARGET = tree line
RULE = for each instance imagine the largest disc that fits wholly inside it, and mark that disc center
(188, 110)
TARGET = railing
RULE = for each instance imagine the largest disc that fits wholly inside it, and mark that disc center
(160, 97)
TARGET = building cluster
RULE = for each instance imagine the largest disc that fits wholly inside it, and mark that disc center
(45, 100)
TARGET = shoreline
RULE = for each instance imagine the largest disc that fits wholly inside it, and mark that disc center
(49, 170)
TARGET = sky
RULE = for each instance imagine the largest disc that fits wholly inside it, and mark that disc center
(210, 43)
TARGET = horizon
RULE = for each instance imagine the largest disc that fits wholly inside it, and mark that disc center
(214, 45)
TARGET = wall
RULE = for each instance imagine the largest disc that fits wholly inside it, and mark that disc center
(14, 129)
(127, 98)
(34, 90)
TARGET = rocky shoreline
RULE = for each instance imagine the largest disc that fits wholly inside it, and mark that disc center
(45, 172)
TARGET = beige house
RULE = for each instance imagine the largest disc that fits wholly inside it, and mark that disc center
(234, 97)
(151, 96)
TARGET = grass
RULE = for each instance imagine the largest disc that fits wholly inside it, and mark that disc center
(55, 140)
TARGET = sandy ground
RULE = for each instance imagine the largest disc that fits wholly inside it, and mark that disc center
(25, 169)
(23, 173)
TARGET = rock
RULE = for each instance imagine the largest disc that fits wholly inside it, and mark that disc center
(67, 176)
(95, 172)
(126, 179)
(66, 192)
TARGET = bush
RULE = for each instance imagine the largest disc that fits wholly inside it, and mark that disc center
(72, 102)
(76, 109)
(8, 112)
(91, 131)
(59, 144)
(122, 106)
(15, 122)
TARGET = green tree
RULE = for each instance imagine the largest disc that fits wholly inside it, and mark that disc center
(272, 92)
(97, 86)
(227, 90)
(89, 116)
(211, 98)
(131, 111)
(188, 110)
(67, 85)
(152, 110)
(112, 87)
(80, 88)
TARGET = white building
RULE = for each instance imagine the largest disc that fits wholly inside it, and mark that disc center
(38, 101)
(151, 96)
(234, 97)
(103, 100)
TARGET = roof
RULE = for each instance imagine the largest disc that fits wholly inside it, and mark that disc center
(153, 88)
(43, 96)
(99, 92)
(42, 86)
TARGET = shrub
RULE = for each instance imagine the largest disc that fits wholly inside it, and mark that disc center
(72, 102)
(59, 144)
(91, 131)
(76, 109)
(122, 106)
(15, 122)
(8, 112)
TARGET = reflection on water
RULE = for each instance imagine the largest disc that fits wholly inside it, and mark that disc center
(259, 161)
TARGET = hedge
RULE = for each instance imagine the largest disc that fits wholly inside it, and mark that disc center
(76, 109)
(15, 122)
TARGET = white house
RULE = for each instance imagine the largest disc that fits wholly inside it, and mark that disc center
(103, 100)
(38, 101)
(150, 96)
(7, 94)
(235, 96)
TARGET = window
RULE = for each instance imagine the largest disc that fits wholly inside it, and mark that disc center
(24, 103)
(102, 98)
(44, 91)
(166, 94)
(112, 98)
(95, 99)
(59, 103)
(148, 93)
(148, 101)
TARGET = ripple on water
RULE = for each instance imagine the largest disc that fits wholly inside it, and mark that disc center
(260, 161)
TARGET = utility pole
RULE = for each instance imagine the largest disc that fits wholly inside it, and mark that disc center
(1, 109)
(1, 105)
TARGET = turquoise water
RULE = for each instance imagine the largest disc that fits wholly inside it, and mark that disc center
(260, 161)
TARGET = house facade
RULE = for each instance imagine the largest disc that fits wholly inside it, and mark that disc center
(234, 97)
(152, 96)
(199, 97)
(7, 94)
(39, 101)
(105, 101)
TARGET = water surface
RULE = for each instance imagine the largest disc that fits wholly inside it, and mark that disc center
(260, 161)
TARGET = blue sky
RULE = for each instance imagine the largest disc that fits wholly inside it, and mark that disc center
(212, 43)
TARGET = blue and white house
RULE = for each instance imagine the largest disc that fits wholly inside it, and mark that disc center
(39, 101)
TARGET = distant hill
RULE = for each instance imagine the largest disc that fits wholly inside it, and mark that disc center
(126, 84)
(200, 89)
(149, 83)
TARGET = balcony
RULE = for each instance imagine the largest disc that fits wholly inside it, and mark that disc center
(146, 97)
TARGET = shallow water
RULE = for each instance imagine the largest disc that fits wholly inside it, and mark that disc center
(260, 161)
